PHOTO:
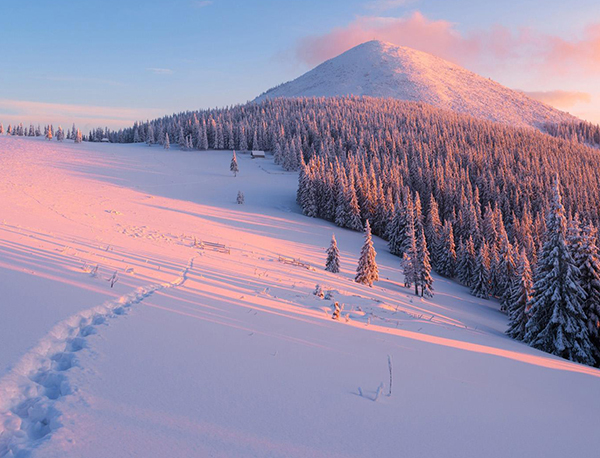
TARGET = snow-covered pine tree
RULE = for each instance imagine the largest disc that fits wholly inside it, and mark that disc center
(518, 306)
(480, 286)
(397, 229)
(585, 255)
(333, 257)
(466, 259)
(410, 261)
(557, 322)
(167, 144)
(423, 276)
(78, 137)
(240, 198)
(507, 275)
(353, 221)
(60, 134)
(433, 229)
(150, 135)
(367, 271)
(1, 129)
(407, 234)
(278, 154)
(233, 167)
(446, 255)
(48, 133)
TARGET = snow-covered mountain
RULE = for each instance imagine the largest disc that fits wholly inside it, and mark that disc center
(380, 69)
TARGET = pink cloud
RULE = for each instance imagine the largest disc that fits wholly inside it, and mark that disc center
(415, 31)
(85, 116)
(495, 47)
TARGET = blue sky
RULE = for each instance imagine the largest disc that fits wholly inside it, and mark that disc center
(155, 57)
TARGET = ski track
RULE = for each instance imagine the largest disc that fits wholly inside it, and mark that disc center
(30, 391)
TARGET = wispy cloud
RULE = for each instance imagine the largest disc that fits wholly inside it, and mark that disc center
(386, 5)
(160, 71)
(85, 116)
(79, 79)
(496, 46)
(560, 99)
(201, 3)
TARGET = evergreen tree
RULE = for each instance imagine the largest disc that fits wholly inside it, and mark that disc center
(354, 221)
(60, 134)
(423, 276)
(585, 255)
(150, 135)
(480, 286)
(1, 129)
(167, 144)
(78, 137)
(240, 198)
(367, 271)
(433, 229)
(507, 274)
(410, 259)
(398, 227)
(446, 264)
(558, 323)
(466, 259)
(234, 165)
(518, 306)
(408, 233)
(48, 133)
(333, 257)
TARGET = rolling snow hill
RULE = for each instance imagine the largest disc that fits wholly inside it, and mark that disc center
(209, 345)
(379, 69)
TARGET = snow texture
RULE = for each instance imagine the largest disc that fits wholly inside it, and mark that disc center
(242, 359)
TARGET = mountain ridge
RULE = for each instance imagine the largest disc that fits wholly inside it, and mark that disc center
(380, 69)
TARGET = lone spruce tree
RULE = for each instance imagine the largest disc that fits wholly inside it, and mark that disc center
(234, 165)
(558, 323)
(367, 271)
(333, 257)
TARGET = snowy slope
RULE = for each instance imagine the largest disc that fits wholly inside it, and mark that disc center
(227, 353)
(379, 69)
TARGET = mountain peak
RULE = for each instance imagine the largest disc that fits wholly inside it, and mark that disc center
(381, 69)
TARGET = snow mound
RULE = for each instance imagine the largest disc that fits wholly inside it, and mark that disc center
(379, 69)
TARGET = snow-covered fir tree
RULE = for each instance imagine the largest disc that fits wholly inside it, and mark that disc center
(433, 230)
(240, 198)
(150, 135)
(423, 274)
(1, 129)
(480, 286)
(584, 250)
(466, 262)
(333, 257)
(78, 138)
(60, 134)
(48, 132)
(446, 253)
(233, 167)
(557, 322)
(367, 271)
(518, 306)
(167, 144)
